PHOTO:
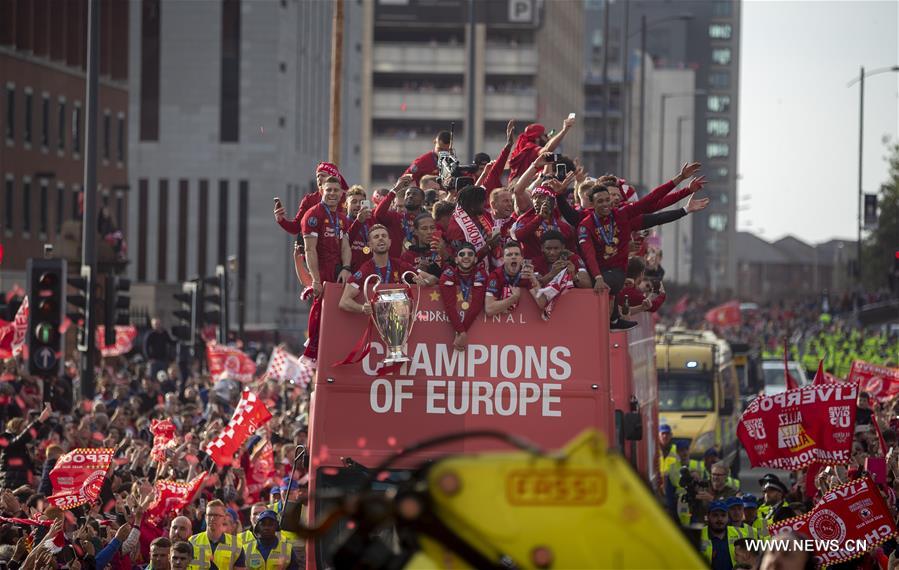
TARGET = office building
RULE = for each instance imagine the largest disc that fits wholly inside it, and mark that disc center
(230, 104)
(43, 58)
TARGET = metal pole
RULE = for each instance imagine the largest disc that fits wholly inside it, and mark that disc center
(662, 138)
(642, 96)
(677, 245)
(89, 222)
(603, 148)
(861, 130)
(469, 122)
(336, 83)
(624, 155)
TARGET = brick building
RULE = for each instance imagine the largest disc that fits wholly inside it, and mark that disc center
(43, 56)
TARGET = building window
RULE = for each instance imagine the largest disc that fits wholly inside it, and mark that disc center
(8, 202)
(718, 222)
(720, 31)
(120, 139)
(720, 173)
(29, 99)
(76, 128)
(76, 194)
(718, 127)
(60, 207)
(721, 56)
(26, 205)
(45, 208)
(229, 93)
(45, 121)
(718, 103)
(717, 150)
(149, 70)
(61, 125)
(120, 210)
(107, 126)
(722, 9)
(719, 79)
(10, 112)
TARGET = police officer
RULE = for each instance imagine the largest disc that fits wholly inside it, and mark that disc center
(268, 550)
(774, 492)
(736, 519)
(667, 456)
(750, 516)
(717, 539)
(213, 546)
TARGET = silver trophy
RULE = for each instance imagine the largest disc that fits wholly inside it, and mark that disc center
(393, 316)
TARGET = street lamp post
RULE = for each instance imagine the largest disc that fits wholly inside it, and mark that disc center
(861, 129)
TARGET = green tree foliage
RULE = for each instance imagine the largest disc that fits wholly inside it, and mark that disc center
(879, 247)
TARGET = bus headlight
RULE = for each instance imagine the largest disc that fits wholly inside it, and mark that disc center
(704, 442)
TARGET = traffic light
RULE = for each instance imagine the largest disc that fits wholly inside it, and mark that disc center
(80, 301)
(118, 303)
(186, 329)
(46, 287)
(215, 297)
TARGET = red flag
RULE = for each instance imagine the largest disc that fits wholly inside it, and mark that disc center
(681, 306)
(854, 511)
(172, 496)
(79, 475)
(16, 334)
(124, 340)
(224, 359)
(726, 315)
(249, 415)
(795, 428)
(820, 378)
(16, 291)
(792, 384)
(261, 469)
(881, 382)
(163, 438)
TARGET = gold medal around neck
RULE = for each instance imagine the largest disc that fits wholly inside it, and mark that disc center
(465, 305)
(366, 250)
(407, 244)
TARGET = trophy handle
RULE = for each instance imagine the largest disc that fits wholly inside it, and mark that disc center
(414, 316)
(365, 286)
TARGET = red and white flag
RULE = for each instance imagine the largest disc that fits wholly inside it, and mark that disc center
(124, 340)
(725, 315)
(849, 516)
(881, 382)
(163, 438)
(223, 359)
(249, 416)
(79, 476)
(286, 367)
(559, 284)
(261, 469)
(12, 335)
(172, 496)
(796, 428)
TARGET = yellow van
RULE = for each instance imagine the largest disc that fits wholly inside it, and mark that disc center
(699, 392)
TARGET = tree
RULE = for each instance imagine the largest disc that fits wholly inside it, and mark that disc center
(879, 248)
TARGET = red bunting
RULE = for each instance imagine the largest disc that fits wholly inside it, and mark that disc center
(172, 496)
(854, 511)
(249, 415)
(228, 360)
(79, 476)
(881, 382)
(798, 427)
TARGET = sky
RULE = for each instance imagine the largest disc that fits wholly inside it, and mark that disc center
(798, 131)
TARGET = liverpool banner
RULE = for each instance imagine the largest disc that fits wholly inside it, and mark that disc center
(249, 415)
(79, 475)
(172, 496)
(847, 522)
(798, 427)
(163, 438)
(124, 340)
(223, 359)
(879, 381)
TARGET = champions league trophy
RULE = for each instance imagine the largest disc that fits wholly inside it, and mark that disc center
(393, 316)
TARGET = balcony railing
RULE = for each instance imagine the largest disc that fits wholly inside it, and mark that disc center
(505, 106)
(508, 60)
(405, 105)
(419, 58)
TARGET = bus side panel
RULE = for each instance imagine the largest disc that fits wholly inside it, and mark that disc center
(641, 351)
